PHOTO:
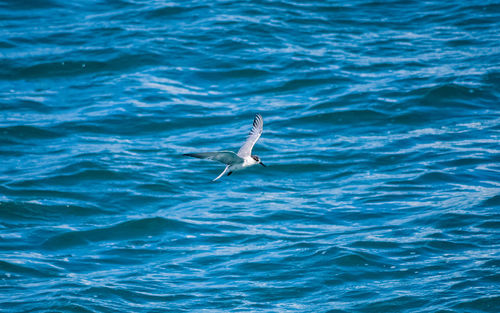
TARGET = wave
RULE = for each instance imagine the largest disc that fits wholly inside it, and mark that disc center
(140, 228)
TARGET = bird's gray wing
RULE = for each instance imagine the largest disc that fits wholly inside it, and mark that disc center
(226, 157)
(258, 124)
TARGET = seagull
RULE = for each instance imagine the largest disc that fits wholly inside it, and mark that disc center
(242, 159)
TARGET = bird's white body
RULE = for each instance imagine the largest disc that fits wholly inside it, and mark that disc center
(247, 162)
(243, 159)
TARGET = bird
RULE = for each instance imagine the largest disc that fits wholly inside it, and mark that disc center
(237, 161)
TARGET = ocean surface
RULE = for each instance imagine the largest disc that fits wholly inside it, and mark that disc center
(381, 140)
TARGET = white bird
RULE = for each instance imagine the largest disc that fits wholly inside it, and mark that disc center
(242, 159)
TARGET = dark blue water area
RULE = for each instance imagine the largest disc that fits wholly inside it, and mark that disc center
(381, 140)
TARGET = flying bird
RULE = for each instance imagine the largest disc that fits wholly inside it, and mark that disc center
(242, 159)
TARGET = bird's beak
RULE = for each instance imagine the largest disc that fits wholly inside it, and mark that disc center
(262, 164)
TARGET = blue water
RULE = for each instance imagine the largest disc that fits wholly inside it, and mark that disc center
(381, 137)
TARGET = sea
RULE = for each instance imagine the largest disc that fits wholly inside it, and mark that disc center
(381, 140)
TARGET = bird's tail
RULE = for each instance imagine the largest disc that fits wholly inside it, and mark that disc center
(221, 174)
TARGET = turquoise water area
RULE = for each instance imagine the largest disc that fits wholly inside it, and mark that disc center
(381, 140)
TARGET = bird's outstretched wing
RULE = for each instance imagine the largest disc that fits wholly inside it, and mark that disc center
(258, 124)
(226, 157)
